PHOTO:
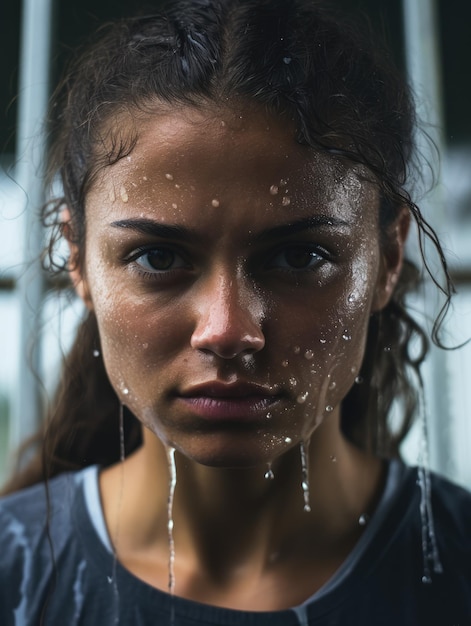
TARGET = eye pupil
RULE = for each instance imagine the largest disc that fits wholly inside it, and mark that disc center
(160, 259)
(298, 257)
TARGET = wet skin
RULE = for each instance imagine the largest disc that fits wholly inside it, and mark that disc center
(233, 273)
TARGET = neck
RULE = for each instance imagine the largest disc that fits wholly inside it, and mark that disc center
(225, 519)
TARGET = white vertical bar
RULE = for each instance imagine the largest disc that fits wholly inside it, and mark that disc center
(32, 108)
(423, 66)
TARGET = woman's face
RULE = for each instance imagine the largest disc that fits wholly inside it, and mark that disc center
(233, 273)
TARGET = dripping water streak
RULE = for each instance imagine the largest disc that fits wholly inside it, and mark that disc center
(305, 477)
(113, 579)
(171, 541)
(429, 542)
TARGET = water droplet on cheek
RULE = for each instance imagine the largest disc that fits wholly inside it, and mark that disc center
(286, 201)
(301, 399)
(333, 458)
(293, 382)
(309, 354)
(174, 205)
(346, 335)
(126, 391)
(169, 176)
(332, 385)
(274, 190)
(329, 408)
(215, 203)
(145, 345)
(288, 440)
(285, 363)
(296, 349)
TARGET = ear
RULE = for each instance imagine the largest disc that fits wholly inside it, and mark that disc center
(392, 256)
(75, 269)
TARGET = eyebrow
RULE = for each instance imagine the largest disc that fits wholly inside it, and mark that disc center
(174, 231)
(149, 227)
(292, 228)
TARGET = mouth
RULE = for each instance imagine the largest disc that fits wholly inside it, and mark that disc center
(240, 401)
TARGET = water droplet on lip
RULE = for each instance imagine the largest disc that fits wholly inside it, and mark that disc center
(274, 190)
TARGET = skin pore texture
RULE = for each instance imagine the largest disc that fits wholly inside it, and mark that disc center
(233, 273)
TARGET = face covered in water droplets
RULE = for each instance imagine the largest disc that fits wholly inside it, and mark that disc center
(233, 273)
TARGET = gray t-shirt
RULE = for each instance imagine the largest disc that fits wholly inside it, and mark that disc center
(56, 564)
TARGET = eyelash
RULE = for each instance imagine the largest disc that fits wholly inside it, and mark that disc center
(154, 273)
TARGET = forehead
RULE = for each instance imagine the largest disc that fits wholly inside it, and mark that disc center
(232, 156)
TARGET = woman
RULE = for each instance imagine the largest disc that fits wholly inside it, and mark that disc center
(235, 205)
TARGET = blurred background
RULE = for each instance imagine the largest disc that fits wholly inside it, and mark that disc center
(430, 42)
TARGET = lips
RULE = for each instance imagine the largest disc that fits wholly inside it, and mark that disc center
(240, 400)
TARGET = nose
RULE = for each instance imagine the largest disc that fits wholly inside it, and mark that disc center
(229, 319)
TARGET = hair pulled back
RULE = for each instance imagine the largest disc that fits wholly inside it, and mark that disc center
(297, 59)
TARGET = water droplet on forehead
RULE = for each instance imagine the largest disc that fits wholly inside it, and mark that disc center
(322, 340)
(296, 349)
(169, 176)
(274, 190)
(293, 382)
(285, 363)
(123, 193)
(177, 186)
(283, 182)
(309, 354)
(174, 205)
(286, 201)
(215, 203)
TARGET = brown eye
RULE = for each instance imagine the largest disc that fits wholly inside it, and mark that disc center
(159, 260)
(297, 258)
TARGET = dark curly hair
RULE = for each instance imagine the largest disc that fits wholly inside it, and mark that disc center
(293, 57)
